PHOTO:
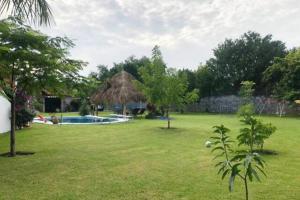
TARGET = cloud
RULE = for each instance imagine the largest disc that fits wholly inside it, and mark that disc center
(109, 31)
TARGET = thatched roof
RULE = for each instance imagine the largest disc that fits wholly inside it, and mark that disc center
(119, 89)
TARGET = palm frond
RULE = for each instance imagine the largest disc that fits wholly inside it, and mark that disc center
(33, 11)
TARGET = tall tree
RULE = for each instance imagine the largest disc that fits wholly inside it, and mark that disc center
(130, 65)
(33, 61)
(190, 77)
(164, 87)
(33, 11)
(205, 81)
(245, 58)
(283, 77)
(152, 76)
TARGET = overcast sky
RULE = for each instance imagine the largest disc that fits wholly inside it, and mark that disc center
(108, 31)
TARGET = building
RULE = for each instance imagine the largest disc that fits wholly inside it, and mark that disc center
(4, 115)
(52, 104)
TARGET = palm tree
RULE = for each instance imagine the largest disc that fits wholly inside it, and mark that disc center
(33, 11)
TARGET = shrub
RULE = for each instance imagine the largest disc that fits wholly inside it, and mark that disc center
(84, 108)
(24, 111)
(246, 110)
(23, 117)
(256, 133)
(37, 105)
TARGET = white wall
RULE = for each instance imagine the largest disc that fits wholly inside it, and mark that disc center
(4, 115)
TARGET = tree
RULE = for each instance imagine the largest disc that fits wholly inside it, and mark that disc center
(32, 61)
(245, 165)
(283, 77)
(34, 11)
(174, 89)
(256, 133)
(153, 76)
(245, 58)
(24, 111)
(190, 77)
(132, 66)
(163, 87)
(205, 81)
(102, 73)
(246, 93)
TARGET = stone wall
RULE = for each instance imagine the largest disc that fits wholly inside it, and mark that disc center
(230, 104)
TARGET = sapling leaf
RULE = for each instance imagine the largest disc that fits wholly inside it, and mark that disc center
(255, 174)
(225, 173)
(217, 148)
(261, 170)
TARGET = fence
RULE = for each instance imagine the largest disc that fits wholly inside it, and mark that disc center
(230, 104)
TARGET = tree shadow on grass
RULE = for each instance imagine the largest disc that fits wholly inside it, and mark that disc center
(171, 130)
(18, 153)
(267, 152)
(264, 152)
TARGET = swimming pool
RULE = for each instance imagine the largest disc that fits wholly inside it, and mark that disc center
(89, 119)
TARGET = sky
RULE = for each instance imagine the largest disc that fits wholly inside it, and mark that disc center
(109, 31)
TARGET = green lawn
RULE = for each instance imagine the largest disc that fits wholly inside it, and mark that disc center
(141, 160)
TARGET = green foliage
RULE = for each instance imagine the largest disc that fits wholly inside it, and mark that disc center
(191, 97)
(24, 111)
(131, 65)
(23, 117)
(190, 77)
(33, 11)
(205, 81)
(245, 165)
(85, 87)
(37, 104)
(256, 133)
(34, 62)
(246, 110)
(283, 77)
(153, 78)
(84, 108)
(245, 58)
(37, 61)
(246, 93)
(163, 87)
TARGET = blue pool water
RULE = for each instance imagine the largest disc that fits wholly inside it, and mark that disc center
(86, 120)
(82, 120)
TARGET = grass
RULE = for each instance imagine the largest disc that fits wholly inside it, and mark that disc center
(141, 160)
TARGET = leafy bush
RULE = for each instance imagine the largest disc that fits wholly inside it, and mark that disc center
(246, 93)
(246, 110)
(84, 108)
(256, 133)
(24, 111)
(37, 104)
(23, 117)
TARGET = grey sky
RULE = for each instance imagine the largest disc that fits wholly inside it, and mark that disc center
(108, 31)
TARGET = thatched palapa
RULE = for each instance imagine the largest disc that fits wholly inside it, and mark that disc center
(120, 89)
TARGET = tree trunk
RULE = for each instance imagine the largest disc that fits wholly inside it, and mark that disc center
(13, 118)
(246, 188)
(262, 147)
(124, 110)
(169, 123)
